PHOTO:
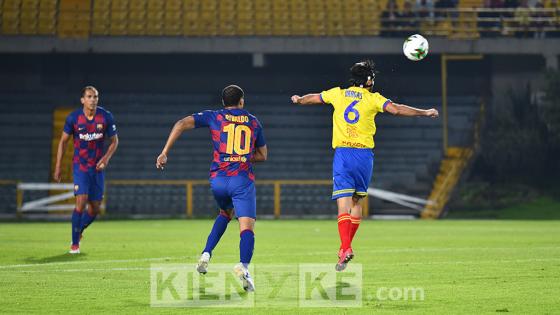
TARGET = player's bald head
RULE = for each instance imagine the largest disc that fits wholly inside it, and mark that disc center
(232, 95)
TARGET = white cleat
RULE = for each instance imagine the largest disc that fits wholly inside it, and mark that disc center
(245, 277)
(202, 266)
(74, 249)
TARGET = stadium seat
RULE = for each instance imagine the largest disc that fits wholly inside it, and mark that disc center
(245, 5)
(29, 14)
(46, 24)
(155, 5)
(263, 23)
(74, 18)
(173, 19)
(209, 5)
(10, 21)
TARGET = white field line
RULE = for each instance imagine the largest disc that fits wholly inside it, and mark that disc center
(312, 253)
(475, 262)
(92, 262)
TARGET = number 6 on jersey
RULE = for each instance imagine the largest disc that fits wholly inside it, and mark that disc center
(351, 109)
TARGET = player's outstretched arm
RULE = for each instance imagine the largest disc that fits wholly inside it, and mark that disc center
(404, 110)
(260, 154)
(104, 161)
(59, 154)
(309, 99)
(180, 126)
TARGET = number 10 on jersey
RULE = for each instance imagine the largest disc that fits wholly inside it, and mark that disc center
(235, 134)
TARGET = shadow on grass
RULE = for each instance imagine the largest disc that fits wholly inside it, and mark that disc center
(57, 258)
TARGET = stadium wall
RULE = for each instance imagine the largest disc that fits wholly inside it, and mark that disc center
(60, 73)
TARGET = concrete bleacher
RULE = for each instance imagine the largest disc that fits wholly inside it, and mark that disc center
(25, 137)
(407, 153)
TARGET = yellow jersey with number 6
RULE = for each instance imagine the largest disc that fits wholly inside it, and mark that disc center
(354, 115)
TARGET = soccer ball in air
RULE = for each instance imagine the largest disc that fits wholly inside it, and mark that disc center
(415, 47)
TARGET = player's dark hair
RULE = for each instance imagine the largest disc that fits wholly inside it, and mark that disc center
(362, 72)
(89, 87)
(232, 95)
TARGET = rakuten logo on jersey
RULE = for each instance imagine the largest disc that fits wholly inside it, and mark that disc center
(91, 136)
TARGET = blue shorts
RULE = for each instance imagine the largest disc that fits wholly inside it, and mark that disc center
(236, 192)
(352, 170)
(91, 183)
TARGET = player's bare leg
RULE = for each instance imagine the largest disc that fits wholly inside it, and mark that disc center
(218, 229)
(355, 216)
(246, 245)
(356, 210)
(81, 201)
(345, 254)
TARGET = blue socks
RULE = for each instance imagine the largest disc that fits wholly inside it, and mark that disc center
(246, 246)
(246, 243)
(218, 230)
(80, 221)
(76, 227)
(87, 219)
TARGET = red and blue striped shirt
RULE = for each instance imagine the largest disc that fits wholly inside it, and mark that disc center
(89, 136)
(235, 135)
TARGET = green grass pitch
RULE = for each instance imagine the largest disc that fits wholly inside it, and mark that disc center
(467, 267)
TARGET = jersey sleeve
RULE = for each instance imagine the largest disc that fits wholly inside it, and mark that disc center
(203, 118)
(259, 140)
(69, 124)
(330, 96)
(380, 102)
(111, 126)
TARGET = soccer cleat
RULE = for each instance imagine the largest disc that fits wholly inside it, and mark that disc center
(245, 277)
(74, 249)
(340, 252)
(344, 259)
(202, 266)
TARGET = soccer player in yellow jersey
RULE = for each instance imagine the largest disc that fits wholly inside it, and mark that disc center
(353, 130)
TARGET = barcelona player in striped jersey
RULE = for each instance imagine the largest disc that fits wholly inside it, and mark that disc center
(238, 142)
(89, 126)
(354, 114)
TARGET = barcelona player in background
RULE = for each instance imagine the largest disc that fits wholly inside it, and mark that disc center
(353, 130)
(238, 142)
(89, 126)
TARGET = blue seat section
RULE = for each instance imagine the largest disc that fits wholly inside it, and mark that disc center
(25, 139)
(407, 153)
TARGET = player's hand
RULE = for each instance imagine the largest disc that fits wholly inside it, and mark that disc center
(101, 165)
(432, 112)
(161, 161)
(295, 99)
(56, 175)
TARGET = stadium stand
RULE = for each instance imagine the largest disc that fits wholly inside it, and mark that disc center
(469, 19)
(407, 155)
(25, 136)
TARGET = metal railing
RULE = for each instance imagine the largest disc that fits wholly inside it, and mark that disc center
(49, 203)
